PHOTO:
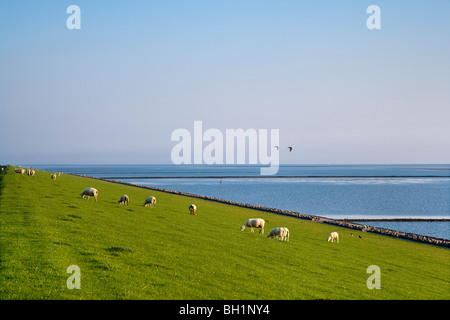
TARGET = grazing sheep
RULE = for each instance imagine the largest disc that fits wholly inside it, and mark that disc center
(89, 192)
(150, 201)
(30, 172)
(19, 170)
(254, 223)
(53, 176)
(192, 208)
(332, 236)
(124, 200)
(281, 233)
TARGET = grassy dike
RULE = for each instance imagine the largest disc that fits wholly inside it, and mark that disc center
(165, 253)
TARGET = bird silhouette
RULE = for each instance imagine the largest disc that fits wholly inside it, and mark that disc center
(290, 148)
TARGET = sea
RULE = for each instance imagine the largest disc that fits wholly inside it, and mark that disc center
(333, 191)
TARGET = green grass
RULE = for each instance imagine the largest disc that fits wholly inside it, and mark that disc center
(165, 253)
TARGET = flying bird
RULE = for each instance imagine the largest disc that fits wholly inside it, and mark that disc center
(290, 148)
(278, 147)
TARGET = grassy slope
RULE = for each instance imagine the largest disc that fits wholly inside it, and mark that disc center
(166, 253)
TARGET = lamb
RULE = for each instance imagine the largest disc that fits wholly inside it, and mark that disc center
(19, 170)
(53, 176)
(89, 192)
(30, 172)
(193, 208)
(254, 223)
(150, 201)
(332, 236)
(124, 199)
(279, 233)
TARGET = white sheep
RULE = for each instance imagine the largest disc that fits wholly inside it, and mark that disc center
(150, 201)
(53, 176)
(124, 199)
(192, 208)
(19, 170)
(254, 223)
(332, 236)
(280, 233)
(89, 192)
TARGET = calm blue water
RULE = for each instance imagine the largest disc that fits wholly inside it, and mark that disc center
(249, 170)
(382, 195)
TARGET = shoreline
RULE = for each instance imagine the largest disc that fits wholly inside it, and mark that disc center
(338, 222)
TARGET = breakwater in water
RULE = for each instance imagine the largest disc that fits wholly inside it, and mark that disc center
(338, 222)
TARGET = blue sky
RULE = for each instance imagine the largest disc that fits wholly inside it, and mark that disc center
(115, 90)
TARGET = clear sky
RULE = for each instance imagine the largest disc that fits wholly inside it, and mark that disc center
(115, 90)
